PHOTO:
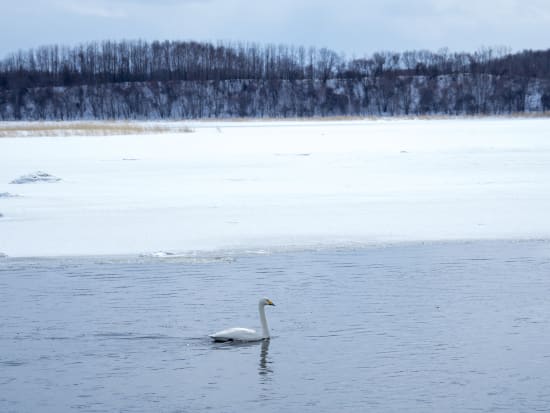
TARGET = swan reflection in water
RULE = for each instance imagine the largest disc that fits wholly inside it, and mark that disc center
(264, 368)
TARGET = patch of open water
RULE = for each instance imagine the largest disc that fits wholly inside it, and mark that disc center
(421, 327)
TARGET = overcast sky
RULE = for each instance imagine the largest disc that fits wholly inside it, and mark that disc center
(355, 27)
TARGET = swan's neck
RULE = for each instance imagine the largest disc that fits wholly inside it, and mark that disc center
(263, 320)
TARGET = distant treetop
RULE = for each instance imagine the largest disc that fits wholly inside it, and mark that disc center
(137, 61)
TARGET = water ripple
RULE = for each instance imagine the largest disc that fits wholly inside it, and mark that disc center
(427, 327)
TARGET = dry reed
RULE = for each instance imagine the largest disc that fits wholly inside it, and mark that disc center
(35, 129)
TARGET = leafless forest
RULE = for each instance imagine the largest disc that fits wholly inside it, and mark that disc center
(179, 80)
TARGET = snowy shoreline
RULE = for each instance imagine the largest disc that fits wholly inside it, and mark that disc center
(53, 128)
(229, 255)
(278, 184)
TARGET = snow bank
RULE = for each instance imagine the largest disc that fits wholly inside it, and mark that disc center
(38, 176)
(261, 185)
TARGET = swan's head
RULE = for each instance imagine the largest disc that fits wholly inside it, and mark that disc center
(266, 301)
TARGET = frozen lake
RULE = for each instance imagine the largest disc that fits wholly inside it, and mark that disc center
(412, 327)
(237, 185)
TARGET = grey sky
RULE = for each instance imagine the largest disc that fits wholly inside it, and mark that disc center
(350, 26)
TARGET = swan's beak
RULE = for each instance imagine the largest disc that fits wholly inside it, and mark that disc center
(269, 302)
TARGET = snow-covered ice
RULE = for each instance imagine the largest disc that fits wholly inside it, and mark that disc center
(263, 185)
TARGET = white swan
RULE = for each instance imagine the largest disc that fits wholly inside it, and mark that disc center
(246, 334)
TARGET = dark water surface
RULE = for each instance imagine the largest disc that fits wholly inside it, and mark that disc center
(424, 327)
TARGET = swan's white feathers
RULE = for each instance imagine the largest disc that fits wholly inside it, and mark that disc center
(237, 334)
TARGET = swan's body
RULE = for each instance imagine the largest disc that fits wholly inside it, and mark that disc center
(246, 334)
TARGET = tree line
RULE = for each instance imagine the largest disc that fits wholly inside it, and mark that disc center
(490, 80)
